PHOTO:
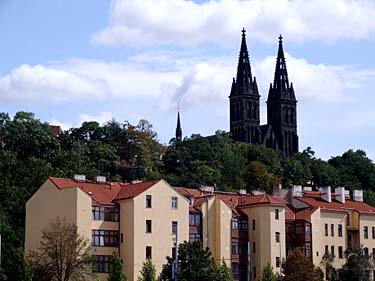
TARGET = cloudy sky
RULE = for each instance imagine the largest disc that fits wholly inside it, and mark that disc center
(69, 61)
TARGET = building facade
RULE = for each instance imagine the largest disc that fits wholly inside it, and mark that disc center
(280, 132)
(146, 219)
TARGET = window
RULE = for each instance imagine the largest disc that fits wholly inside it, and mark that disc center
(194, 237)
(326, 229)
(254, 249)
(235, 248)
(242, 224)
(174, 203)
(365, 232)
(253, 224)
(105, 213)
(307, 228)
(299, 228)
(234, 223)
(105, 238)
(333, 250)
(277, 215)
(122, 237)
(373, 232)
(148, 201)
(332, 229)
(148, 226)
(194, 219)
(148, 252)
(340, 252)
(340, 230)
(235, 270)
(174, 227)
(243, 248)
(366, 252)
(101, 264)
(254, 272)
(373, 253)
(277, 237)
(326, 249)
(277, 261)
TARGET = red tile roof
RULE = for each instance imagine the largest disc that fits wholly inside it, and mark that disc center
(133, 190)
(316, 201)
(105, 193)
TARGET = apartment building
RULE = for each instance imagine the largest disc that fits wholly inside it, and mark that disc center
(143, 219)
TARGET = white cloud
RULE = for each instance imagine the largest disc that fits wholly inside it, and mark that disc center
(101, 118)
(149, 22)
(40, 83)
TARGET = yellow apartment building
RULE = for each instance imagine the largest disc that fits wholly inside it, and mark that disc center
(143, 219)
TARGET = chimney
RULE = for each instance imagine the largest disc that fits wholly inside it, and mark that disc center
(276, 190)
(258, 192)
(307, 188)
(81, 178)
(358, 195)
(209, 189)
(326, 193)
(100, 179)
(297, 191)
(242, 191)
(340, 194)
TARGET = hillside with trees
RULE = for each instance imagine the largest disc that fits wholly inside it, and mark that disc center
(29, 154)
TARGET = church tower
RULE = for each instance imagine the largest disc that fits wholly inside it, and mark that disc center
(244, 101)
(282, 107)
(178, 128)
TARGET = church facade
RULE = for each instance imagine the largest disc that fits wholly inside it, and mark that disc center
(280, 132)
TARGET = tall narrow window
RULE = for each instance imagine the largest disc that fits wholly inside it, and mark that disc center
(332, 229)
(148, 201)
(277, 237)
(148, 252)
(333, 250)
(254, 249)
(277, 215)
(365, 232)
(235, 223)
(277, 261)
(373, 232)
(340, 230)
(253, 224)
(174, 227)
(235, 248)
(340, 252)
(148, 226)
(326, 249)
(174, 203)
(326, 229)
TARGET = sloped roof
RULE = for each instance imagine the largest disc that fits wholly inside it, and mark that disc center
(133, 190)
(105, 193)
(102, 193)
(316, 201)
(261, 199)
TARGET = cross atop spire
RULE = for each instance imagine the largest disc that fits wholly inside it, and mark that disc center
(244, 78)
(281, 81)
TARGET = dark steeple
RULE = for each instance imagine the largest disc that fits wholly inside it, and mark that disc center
(282, 107)
(178, 128)
(244, 100)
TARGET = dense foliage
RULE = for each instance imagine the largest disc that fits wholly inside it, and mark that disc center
(117, 272)
(299, 268)
(29, 154)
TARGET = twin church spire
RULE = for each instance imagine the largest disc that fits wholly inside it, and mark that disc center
(280, 132)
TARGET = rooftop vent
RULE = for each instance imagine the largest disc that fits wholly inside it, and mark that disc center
(79, 177)
(90, 193)
(358, 195)
(100, 179)
(136, 181)
(326, 193)
(297, 191)
(242, 191)
(258, 192)
(276, 189)
(210, 189)
(340, 194)
(307, 188)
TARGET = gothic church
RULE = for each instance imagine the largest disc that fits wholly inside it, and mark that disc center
(280, 132)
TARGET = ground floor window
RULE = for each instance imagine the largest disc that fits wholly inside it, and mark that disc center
(101, 264)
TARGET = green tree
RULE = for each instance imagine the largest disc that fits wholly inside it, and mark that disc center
(195, 263)
(329, 271)
(223, 273)
(117, 273)
(21, 270)
(295, 172)
(63, 254)
(148, 272)
(267, 273)
(299, 268)
(323, 174)
(357, 267)
(258, 177)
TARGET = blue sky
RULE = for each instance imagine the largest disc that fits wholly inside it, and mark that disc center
(71, 61)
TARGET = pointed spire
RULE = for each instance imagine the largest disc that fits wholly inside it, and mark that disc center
(281, 81)
(178, 128)
(244, 78)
